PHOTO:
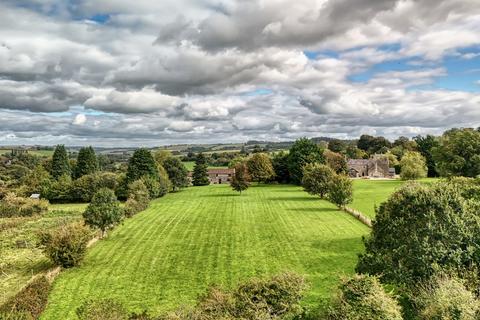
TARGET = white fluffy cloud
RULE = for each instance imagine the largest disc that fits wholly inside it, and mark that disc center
(184, 70)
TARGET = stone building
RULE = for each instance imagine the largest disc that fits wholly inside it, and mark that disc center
(375, 167)
(218, 176)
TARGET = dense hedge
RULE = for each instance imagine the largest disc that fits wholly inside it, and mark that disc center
(13, 206)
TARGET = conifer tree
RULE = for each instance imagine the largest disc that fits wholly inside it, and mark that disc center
(60, 164)
(200, 172)
(141, 164)
(86, 162)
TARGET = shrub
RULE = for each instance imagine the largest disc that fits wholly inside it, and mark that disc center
(316, 179)
(13, 206)
(105, 309)
(87, 185)
(29, 303)
(419, 231)
(363, 297)
(153, 186)
(340, 190)
(446, 298)
(66, 245)
(60, 190)
(104, 211)
(138, 198)
(413, 166)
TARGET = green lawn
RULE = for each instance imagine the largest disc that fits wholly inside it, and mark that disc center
(190, 164)
(370, 193)
(165, 256)
(68, 206)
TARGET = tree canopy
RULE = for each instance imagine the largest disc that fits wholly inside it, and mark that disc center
(141, 164)
(86, 162)
(177, 173)
(200, 171)
(104, 211)
(302, 152)
(60, 164)
(260, 167)
(413, 166)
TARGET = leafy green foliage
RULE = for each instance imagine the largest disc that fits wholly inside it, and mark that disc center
(13, 206)
(87, 162)
(177, 173)
(277, 297)
(302, 152)
(260, 167)
(60, 190)
(363, 297)
(200, 171)
(340, 190)
(373, 145)
(29, 303)
(141, 164)
(413, 166)
(425, 146)
(280, 167)
(87, 185)
(241, 178)
(105, 309)
(60, 164)
(316, 179)
(104, 211)
(445, 297)
(138, 198)
(66, 245)
(337, 145)
(336, 161)
(37, 181)
(420, 230)
(458, 153)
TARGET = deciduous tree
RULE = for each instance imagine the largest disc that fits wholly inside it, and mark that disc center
(302, 152)
(104, 211)
(316, 179)
(260, 167)
(413, 166)
(241, 178)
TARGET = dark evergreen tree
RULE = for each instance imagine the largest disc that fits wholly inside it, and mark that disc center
(60, 164)
(280, 166)
(425, 145)
(177, 173)
(86, 162)
(200, 171)
(141, 164)
(302, 152)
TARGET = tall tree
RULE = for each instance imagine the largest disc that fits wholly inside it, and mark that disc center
(241, 178)
(87, 162)
(177, 173)
(425, 145)
(302, 152)
(458, 153)
(336, 161)
(60, 164)
(316, 179)
(373, 145)
(337, 145)
(260, 167)
(141, 164)
(280, 167)
(200, 171)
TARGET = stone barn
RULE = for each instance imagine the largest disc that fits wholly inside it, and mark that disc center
(217, 176)
(375, 167)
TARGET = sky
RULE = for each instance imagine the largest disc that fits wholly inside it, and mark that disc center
(147, 73)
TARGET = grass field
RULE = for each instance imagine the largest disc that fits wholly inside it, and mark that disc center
(20, 258)
(165, 256)
(370, 193)
(42, 153)
(190, 164)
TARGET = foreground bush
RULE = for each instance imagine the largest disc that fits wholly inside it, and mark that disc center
(363, 297)
(420, 230)
(275, 298)
(105, 309)
(29, 303)
(104, 211)
(446, 298)
(66, 245)
(13, 206)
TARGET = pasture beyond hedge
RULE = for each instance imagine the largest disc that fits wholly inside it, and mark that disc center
(166, 256)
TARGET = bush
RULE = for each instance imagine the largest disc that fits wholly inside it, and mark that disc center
(138, 198)
(29, 303)
(13, 206)
(340, 190)
(104, 211)
(363, 297)
(419, 231)
(316, 179)
(66, 245)
(446, 298)
(105, 309)
(413, 166)
(61, 190)
(87, 185)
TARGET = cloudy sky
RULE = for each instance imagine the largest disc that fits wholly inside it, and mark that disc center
(122, 72)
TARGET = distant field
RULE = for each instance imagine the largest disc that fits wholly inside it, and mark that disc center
(370, 193)
(45, 153)
(165, 256)
(190, 164)
(19, 256)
